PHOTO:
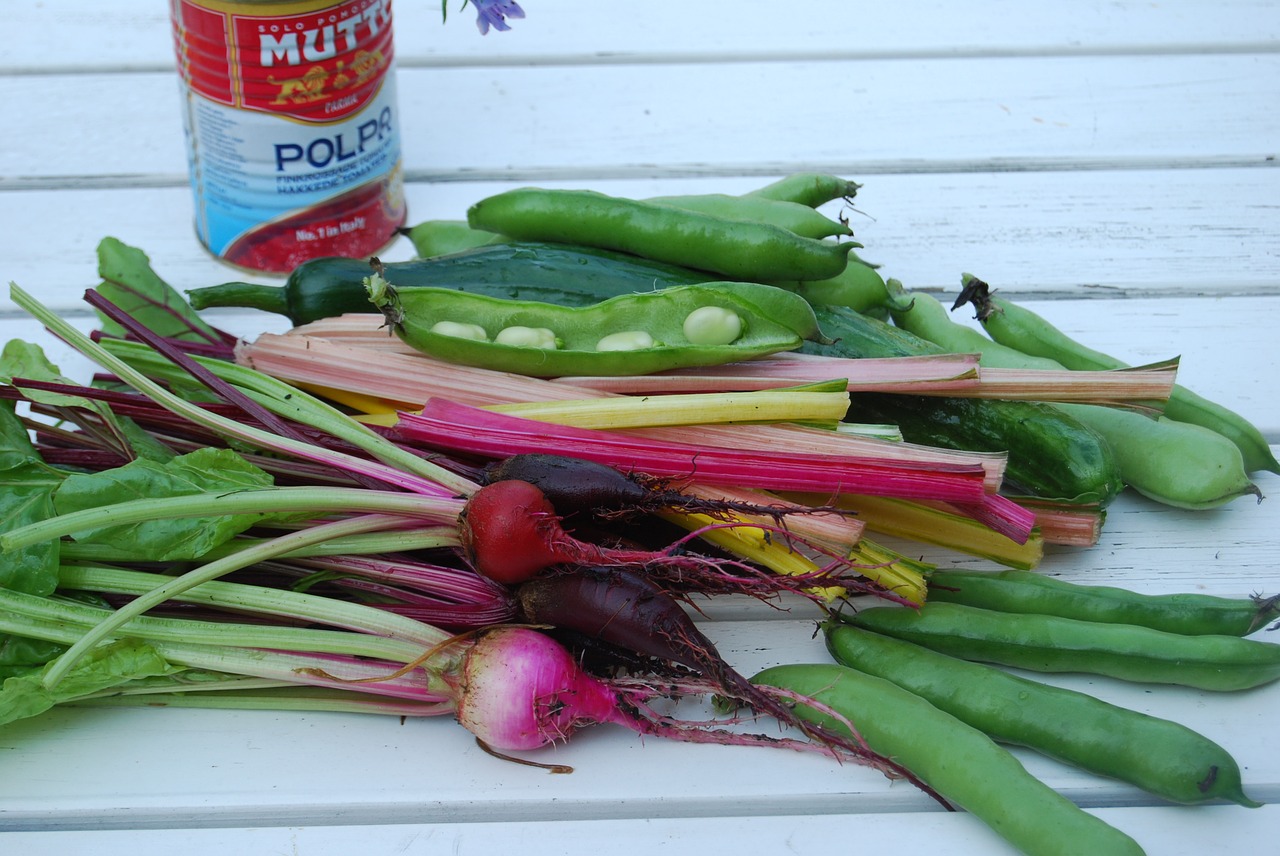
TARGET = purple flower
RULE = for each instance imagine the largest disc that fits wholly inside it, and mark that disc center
(495, 13)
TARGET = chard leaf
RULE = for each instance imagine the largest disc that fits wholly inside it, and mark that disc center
(130, 283)
(204, 471)
(19, 654)
(27, 498)
(15, 443)
(143, 444)
(24, 360)
(21, 359)
(29, 484)
(104, 667)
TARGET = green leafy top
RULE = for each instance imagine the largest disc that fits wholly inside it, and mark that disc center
(129, 282)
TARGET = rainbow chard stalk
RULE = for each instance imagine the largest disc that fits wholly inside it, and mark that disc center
(440, 483)
(364, 510)
(457, 597)
(1145, 388)
(514, 688)
(454, 427)
(273, 403)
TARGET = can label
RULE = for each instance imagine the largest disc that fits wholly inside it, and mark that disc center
(292, 134)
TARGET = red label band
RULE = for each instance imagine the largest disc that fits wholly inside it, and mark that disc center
(316, 66)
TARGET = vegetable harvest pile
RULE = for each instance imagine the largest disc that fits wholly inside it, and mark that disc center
(496, 482)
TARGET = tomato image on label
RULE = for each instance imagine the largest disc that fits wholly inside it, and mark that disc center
(339, 225)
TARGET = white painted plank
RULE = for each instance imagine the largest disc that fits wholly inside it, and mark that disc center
(1086, 235)
(140, 768)
(937, 103)
(854, 116)
(1163, 831)
(1109, 234)
(135, 33)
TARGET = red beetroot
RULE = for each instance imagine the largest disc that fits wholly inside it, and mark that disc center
(578, 486)
(510, 532)
(522, 690)
(624, 608)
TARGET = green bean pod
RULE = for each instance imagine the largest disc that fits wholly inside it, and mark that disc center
(1160, 756)
(328, 286)
(735, 249)
(1025, 591)
(654, 320)
(808, 188)
(1050, 454)
(958, 761)
(1020, 328)
(792, 216)
(432, 238)
(1049, 643)
(858, 287)
(1172, 462)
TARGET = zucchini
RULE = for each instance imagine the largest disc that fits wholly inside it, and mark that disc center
(325, 287)
(1051, 455)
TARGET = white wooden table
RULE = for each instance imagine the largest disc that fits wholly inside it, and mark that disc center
(1113, 164)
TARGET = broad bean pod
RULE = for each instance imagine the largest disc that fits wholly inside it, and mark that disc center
(1025, 591)
(1160, 756)
(808, 188)
(1050, 454)
(735, 249)
(1172, 462)
(432, 238)
(629, 334)
(1049, 643)
(1175, 463)
(958, 761)
(1018, 327)
(329, 286)
(858, 287)
(792, 216)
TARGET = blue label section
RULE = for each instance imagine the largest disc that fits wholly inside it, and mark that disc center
(249, 168)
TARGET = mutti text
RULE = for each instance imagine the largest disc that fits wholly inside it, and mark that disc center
(336, 149)
(323, 37)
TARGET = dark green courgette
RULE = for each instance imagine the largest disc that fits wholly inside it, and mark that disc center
(325, 287)
(1051, 455)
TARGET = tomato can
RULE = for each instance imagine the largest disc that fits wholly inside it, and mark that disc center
(289, 109)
